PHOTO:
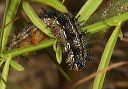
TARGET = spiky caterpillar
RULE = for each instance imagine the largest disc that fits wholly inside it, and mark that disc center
(67, 29)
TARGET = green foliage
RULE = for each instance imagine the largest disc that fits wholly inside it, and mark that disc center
(31, 48)
(5, 73)
(55, 4)
(57, 48)
(99, 26)
(8, 17)
(35, 19)
(16, 66)
(59, 54)
(86, 11)
(106, 56)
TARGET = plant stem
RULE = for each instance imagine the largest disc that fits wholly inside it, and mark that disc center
(20, 51)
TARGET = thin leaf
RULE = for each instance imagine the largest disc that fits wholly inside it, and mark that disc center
(99, 26)
(35, 19)
(59, 53)
(121, 35)
(16, 66)
(88, 9)
(54, 45)
(5, 74)
(5, 13)
(3, 23)
(105, 59)
(1, 62)
(2, 79)
(10, 14)
(55, 4)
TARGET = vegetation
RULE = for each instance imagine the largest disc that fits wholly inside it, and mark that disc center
(6, 57)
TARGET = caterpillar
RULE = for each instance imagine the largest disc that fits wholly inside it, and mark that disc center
(67, 29)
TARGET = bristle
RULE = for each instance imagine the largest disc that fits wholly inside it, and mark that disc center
(67, 29)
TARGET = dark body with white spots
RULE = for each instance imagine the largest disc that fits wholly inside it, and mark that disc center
(75, 43)
(66, 29)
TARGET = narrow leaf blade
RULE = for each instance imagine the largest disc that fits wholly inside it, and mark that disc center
(59, 54)
(16, 66)
(35, 19)
(88, 9)
(55, 4)
(10, 14)
(105, 59)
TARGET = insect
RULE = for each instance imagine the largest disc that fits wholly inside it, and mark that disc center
(66, 28)
(75, 43)
(27, 36)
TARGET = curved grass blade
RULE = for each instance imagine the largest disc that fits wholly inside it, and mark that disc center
(16, 66)
(88, 9)
(10, 14)
(3, 23)
(54, 45)
(99, 26)
(35, 19)
(55, 4)
(58, 50)
(105, 59)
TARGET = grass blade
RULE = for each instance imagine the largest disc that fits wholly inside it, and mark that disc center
(16, 66)
(105, 59)
(88, 9)
(59, 54)
(99, 26)
(35, 19)
(55, 4)
(10, 14)
(5, 73)
(3, 23)
(5, 13)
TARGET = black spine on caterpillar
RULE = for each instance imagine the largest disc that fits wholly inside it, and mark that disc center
(67, 29)
(75, 43)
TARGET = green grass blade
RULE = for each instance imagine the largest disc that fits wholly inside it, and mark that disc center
(3, 23)
(35, 19)
(54, 45)
(5, 13)
(57, 48)
(99, 26)
(105, 59)
(11, 12)
(88, 9)
(31, 48)
(55, 4)
(5, 74)
(16, 66)
(2, 79)
(59, 54)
